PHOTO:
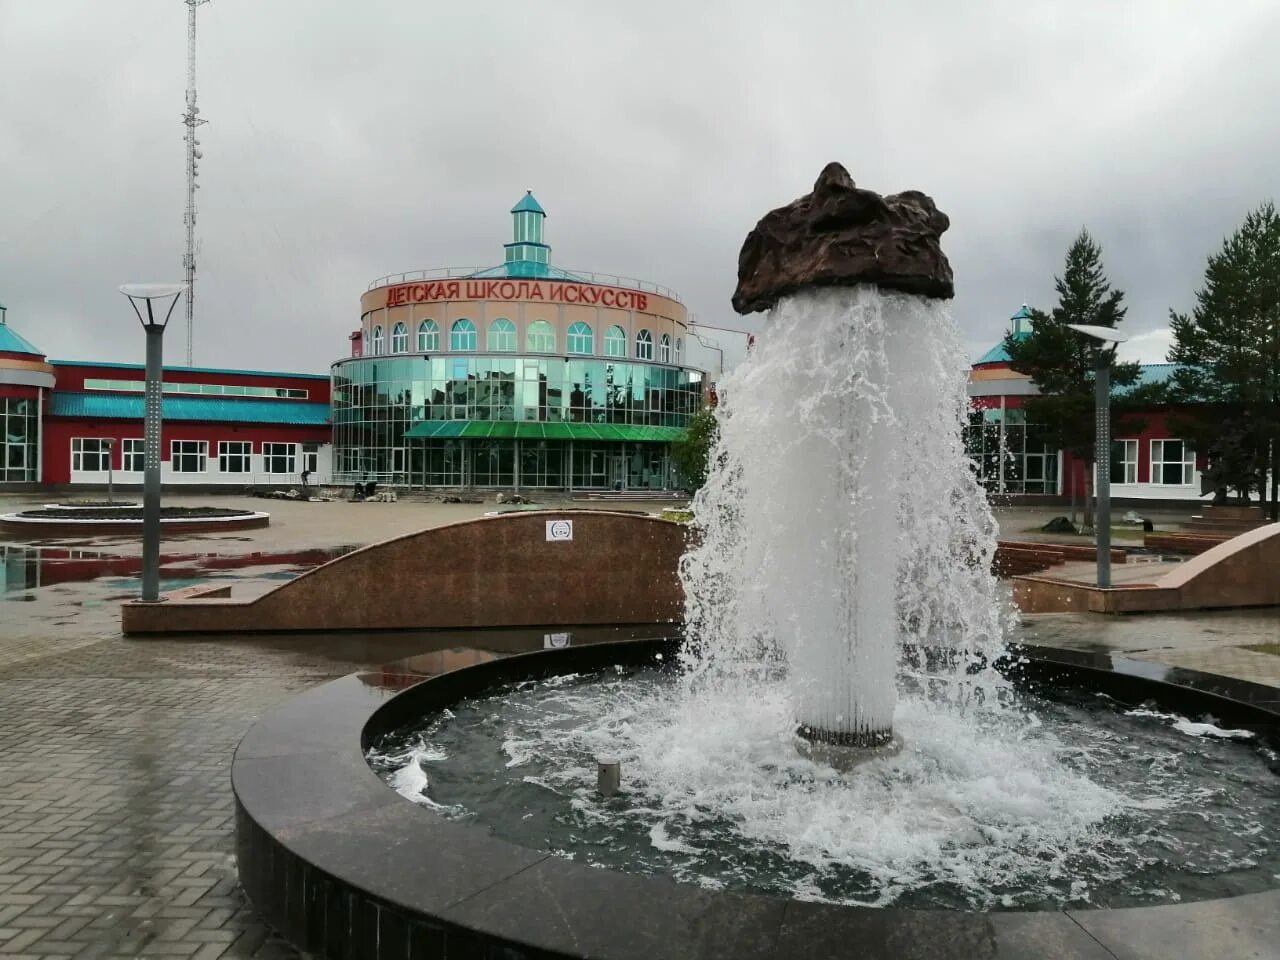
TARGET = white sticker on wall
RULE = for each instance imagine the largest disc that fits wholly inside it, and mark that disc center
(559, 530)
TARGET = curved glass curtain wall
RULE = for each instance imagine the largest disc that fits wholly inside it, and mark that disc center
(377, 400)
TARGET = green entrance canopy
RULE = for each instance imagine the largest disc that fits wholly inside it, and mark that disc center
(535, 430)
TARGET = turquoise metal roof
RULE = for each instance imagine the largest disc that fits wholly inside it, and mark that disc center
(528, 205)
(11, 342)
(528, 268)
(998, 354)
(238, 373)
(205, 409)
(1155, 373)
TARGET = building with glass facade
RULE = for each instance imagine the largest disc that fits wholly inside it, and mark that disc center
(517, 376)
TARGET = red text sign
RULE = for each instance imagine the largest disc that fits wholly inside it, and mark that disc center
(556, 292)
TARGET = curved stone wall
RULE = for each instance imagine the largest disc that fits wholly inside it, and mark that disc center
(501, 571)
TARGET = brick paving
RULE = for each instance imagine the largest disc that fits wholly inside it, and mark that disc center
(116, 826)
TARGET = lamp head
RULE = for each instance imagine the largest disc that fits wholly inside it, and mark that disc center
(1105, 334)
(146, 293)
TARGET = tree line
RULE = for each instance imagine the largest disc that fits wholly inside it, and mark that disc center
(1225, 390)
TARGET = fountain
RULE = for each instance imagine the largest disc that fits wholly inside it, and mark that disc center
(845, 521)
(839, 726)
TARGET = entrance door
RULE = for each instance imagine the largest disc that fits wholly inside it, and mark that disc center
(617, 471)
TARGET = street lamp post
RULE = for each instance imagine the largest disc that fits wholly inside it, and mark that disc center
(148, 293)
(111, 445)
(1102, 449)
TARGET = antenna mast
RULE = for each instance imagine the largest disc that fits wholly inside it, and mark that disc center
(191, 119)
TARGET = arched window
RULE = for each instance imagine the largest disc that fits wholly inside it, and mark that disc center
(679, 350)
(428, 337)
(644, 345)
(579, 338)
(540, 337)
(615, 342)
(664, 349)
(502, 335)
(462, 336)
(399, 338)
(378, 344)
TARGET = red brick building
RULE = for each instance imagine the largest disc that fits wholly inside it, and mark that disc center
(74, 422)
(1152, 464)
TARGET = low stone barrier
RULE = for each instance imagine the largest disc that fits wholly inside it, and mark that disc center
(1241, 572)
(518, 569)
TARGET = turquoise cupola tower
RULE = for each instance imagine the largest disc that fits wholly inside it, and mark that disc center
(527, 255)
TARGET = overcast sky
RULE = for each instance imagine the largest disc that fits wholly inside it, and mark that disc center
(350, 140)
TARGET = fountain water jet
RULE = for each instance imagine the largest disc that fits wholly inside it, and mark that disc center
(843, 519)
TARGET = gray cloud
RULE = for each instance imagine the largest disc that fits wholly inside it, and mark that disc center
(347, 141)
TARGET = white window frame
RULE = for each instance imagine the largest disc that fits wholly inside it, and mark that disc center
(178, 452)
(100, 451)
(399, 338)
(644, 345)
(576, 339)
(428, 336)
(1130, 461)
(131, 448)
(664, 349)
(540, 337)
(290, 456)
(377, 341)
(1188, 463)
(502, 339)
(615, 342)
(463, 336)
(244, 455)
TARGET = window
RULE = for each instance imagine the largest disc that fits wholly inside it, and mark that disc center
(214, 389)
(679, 350)
(1173, 463)
(644, 345)
(377, 340)
(90, 453)
(579, 338)
(615, 342)
(540, 337)
(234, 456)
(664, 349)
(280, 458)
(189, 456)
(19, 434)
(502, 335)
(1124, 461)
(399, 338)
(428, 337)
(135, 450)
(462, 335)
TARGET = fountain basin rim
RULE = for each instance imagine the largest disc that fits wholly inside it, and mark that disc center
(329, 853)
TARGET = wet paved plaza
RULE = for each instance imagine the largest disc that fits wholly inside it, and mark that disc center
(116, 830)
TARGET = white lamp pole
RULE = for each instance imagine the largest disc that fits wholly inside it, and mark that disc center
(147, 293)
(1102, 449)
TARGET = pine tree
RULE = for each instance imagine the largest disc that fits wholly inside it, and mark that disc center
(1228, 350)
(1061, 362)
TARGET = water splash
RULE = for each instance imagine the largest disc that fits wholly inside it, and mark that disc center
(842, 519)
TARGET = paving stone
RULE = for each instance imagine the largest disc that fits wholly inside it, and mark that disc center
(116, 814)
